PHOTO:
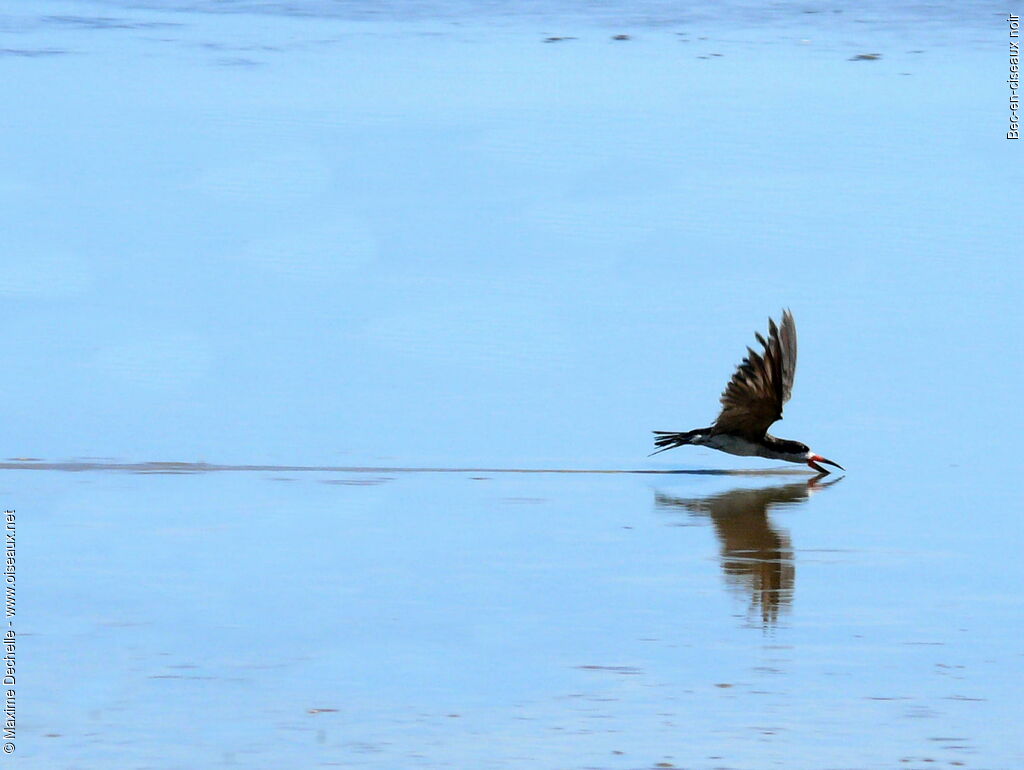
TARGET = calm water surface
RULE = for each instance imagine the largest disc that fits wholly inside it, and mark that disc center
(262, 262)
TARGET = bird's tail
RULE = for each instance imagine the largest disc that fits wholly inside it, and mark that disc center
(664, 439)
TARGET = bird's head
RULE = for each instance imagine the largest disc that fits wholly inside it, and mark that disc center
(813, 460)
(796, 452)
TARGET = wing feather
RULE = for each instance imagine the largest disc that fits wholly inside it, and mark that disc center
(762, 383)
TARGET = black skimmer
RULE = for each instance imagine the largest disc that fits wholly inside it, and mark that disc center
(751, 402)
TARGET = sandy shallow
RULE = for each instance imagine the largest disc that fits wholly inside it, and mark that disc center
(282, 618)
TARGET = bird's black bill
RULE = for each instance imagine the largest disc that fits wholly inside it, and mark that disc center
(818, 459)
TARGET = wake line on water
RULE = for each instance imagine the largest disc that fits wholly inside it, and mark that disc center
(17, 464)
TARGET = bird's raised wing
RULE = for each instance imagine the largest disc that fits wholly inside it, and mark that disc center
(754, 397)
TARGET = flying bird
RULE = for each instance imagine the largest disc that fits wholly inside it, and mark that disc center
(751, 402)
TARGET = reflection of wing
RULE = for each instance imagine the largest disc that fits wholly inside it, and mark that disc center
(754, 397)
(755, 555)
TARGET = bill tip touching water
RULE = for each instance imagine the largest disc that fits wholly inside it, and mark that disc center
(751, 402)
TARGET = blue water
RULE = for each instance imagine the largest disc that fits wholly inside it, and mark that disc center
(366, 236)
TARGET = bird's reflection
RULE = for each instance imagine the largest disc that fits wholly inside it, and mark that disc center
(757, 557)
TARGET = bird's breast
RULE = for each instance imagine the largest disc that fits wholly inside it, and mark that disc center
(734, 445)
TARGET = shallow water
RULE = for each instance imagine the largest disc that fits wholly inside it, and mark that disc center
(335, 334)
(296, 618)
